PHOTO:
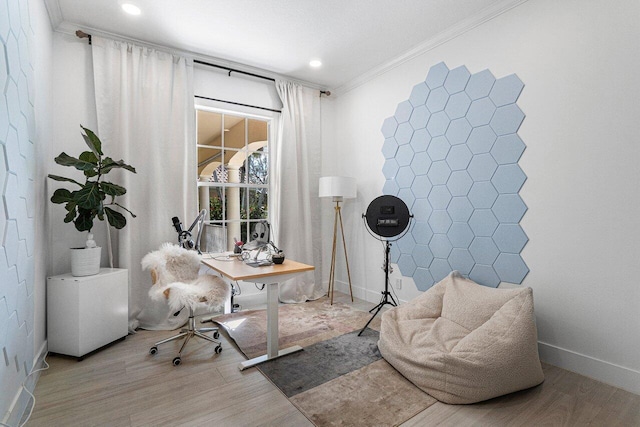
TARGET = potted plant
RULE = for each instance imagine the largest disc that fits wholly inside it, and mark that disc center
(95, 198)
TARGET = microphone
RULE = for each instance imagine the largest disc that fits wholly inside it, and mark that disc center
(177, 224)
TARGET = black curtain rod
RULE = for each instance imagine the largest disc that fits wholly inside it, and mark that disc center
(238, 103)
(233, 70)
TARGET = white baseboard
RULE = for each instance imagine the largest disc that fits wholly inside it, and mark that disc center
(600, 370)
(22, 400)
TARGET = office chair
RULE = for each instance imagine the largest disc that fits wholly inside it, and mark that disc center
(174, 273)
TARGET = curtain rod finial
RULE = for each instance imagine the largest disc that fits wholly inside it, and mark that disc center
(82, 35)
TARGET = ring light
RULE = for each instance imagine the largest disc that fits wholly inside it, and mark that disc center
(388, 216)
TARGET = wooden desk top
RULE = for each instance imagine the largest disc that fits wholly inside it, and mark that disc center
(238, 270)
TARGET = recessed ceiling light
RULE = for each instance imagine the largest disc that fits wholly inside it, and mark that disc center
(131, 9)
(315, 63)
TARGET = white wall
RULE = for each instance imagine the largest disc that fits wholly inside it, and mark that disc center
(579, 63)
(25, 80)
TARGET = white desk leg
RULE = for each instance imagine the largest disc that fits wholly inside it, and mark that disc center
(272, 332)
(272, 320)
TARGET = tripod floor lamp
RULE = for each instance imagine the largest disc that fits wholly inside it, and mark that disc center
(339, 188)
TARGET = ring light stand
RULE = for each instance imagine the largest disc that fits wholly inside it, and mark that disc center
(387, 219)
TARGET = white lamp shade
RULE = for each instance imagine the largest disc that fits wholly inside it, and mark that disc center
(337, 187)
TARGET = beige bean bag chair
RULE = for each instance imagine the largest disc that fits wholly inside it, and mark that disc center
(462, 342)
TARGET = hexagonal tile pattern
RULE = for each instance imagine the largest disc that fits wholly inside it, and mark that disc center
(17, 196)
(507, 119)
(389, 127)
(420, 163)
(480, 84)
(457, 79)
(459, 157)
(458, 131)
(482, 167)
(506, 90)
(420, 140)
(419, 94)
(459, 183)
(507, 149)
(422, 256)
(480, 112)
(421, 209)
(437, 75)
(437, 99)
(389, 148)
(508, 178)
(481, 140)
(421, 186)
(419, 117)
(438, 124)
(439, 269)
(440, 246)
(451, 153)
(423, 279)
(439, 197)
(403, 111)
(510, 268)
(482, 195)
(390, 187)
(404, 155)
(483, 222)
(458, 105)
(510, 238)
(404, 133)
(439, 172)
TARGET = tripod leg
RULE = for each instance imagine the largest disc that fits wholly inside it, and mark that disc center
(332, 272)
(344, 244)
(372, 317)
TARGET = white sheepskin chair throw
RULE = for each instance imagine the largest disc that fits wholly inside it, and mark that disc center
(174, 272)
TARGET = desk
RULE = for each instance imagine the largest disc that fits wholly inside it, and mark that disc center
(270, 275)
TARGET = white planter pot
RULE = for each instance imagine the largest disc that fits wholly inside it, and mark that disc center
(85, 261)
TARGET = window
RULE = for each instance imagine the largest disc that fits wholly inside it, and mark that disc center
(233, 175)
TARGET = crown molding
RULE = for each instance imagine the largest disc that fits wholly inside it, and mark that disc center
(55, 13)
(451, 33)
(69, 28)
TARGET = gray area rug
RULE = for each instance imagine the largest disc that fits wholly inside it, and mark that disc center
(339, 379)
(322, 362)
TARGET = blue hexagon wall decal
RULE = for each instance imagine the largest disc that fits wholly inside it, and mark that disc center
(451, 153)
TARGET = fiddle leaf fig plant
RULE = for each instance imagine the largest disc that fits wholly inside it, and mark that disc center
(94, 198)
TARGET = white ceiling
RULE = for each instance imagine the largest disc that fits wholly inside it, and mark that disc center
(351, 37)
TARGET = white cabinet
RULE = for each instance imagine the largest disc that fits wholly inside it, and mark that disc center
(86, 313)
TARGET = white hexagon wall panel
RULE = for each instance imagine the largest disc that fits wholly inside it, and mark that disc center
(17, 172)
(451, 154)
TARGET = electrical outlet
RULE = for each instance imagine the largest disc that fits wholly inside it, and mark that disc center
(398, 283)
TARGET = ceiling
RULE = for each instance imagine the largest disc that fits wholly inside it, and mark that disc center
(280, 37)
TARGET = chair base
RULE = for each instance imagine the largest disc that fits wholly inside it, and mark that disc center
(187, 333)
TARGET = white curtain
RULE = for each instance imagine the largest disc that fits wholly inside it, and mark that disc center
(144, 103)
(296, 167)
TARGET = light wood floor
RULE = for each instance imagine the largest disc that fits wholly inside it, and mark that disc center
(123, 385)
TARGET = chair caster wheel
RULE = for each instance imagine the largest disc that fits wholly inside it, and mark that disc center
(153, 350)
(218, 349)
(177, 361)
(216, 335)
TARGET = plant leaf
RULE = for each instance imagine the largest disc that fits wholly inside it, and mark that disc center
(62, 195)
(109, 164)
(116, 219)
(66, 160)
(88, 156)
(62, 178)
(89, 196)
(92, 141)
(111, 189)
(70, 216)
(84, 221)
